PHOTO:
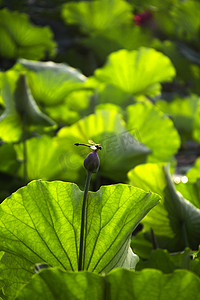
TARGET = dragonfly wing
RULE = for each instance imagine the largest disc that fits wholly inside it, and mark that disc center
(91, 142)
(93, 147)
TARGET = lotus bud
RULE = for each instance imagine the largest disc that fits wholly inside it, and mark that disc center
(92, 162)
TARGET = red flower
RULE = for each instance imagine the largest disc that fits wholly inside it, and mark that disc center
(142, 18)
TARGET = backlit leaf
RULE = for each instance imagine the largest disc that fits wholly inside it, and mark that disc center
(40, 223)
(51, 82)
(137, 72)
(154, 129)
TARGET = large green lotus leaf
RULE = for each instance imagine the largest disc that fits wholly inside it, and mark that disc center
(19, 38)
(41, 224)
(46, 160)
(194, 173)
(21, 109)
(175, 221)
(137, 72)
(120, 149)
(54, 284)
(51, 82)
(97, 16)
(182, 112)
(155, 130)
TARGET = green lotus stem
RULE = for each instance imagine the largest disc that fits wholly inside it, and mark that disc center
(80, 256)
(24, 148)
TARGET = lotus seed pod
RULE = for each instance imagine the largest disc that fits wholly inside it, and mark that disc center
(92, 162)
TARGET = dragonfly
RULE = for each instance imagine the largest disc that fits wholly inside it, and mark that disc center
(92, 145)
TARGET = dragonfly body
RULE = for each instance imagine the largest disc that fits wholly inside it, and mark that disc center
(92, 145)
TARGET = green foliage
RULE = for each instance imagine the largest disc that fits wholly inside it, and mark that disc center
(196, 133)
(9, 163)
(119, 284)
(44, 227)
(175, 221)
(183, 112)
(190, 191)
(113, 39)
(169, 262)
(19, 38)
(186, 28)
(97, 16)
(126, 75)
(193, 174)
(186, 70)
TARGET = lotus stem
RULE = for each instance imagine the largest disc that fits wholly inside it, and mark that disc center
(24, 148)
(80, 256)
